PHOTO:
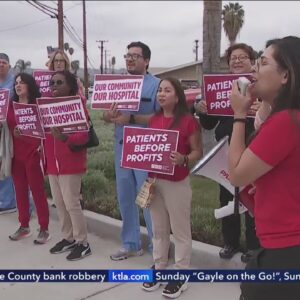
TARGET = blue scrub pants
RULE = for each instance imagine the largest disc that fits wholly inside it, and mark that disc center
(129, 182)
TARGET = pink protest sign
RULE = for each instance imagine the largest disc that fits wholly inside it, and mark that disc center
(42, 79)
(4, 101)
(66, 113)
(149, 149)
(126, 90)
(217, 89)
(28, 120)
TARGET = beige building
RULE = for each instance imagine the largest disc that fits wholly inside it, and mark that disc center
(189, 74)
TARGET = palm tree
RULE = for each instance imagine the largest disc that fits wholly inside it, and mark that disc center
(212, 27)
(233, 20)
(211, 35)
(21, 65)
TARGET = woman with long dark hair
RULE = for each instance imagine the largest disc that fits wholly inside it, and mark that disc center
(272, 162)
(26, 168)
(171, 206)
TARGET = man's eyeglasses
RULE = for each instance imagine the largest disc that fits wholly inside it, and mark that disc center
(57, 82)
(240, 58)
(132, 56)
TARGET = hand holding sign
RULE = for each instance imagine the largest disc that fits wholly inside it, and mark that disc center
(177, 158)
(17, 132)
(58, 135)
(201, 107)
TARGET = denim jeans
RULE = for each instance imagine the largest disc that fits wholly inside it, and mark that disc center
(7, 194)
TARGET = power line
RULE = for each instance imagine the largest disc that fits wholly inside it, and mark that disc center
(45, 11)
(25, 25)
(75, 32)
(46, 7)
(72, 36)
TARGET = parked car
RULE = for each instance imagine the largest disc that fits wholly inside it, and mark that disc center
(191, 96)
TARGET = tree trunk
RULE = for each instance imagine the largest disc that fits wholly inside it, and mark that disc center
(212, 26)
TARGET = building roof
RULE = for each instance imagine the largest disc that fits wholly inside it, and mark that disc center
(194, 63)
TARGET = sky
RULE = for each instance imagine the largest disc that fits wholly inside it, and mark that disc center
(170, 28)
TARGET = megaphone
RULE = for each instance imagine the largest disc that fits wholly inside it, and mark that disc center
(214, 165)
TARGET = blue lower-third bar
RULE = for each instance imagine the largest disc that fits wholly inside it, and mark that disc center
(130, 275)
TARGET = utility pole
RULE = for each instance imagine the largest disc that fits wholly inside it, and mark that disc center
(60, 19)
(101, 54)
(86, 79)
(196, 49)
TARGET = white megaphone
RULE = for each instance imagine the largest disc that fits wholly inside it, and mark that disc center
(214, 165)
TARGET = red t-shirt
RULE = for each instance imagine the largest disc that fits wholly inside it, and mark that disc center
(186, 127)
(277, 198)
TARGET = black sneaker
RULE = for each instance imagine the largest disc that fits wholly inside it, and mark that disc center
(80, 251)
(246, 257)
(63, 246)
(174, 289)
(228, 251)
(151, 286)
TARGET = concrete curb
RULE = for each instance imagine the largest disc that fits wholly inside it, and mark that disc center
(202, 254)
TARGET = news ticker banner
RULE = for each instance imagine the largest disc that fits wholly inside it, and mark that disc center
(66, 113)
(217, 89)
(125, 90)
(4, 101)
(123, 276)
(149, 149)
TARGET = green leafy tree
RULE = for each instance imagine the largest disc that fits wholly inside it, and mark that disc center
(233, 19)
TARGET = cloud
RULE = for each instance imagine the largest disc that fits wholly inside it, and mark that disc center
(168, 27)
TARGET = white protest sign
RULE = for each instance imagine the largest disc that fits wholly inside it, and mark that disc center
(125, 90)
(66, 113)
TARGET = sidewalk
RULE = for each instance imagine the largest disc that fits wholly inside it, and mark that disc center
(104, 239)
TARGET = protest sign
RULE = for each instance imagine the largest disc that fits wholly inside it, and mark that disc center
(42, 79)
(125, 90)
(217, 89)
(4, 101)
(28, 120)
(66, 113)
(149, 149)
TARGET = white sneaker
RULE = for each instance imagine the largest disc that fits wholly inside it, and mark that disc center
(124, 254)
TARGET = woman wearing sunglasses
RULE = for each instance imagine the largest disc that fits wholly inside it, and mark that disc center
(272, 162)
(26, 169)
(65, 169)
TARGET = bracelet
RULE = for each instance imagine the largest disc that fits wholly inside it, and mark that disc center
(240, 120)
(131, 119)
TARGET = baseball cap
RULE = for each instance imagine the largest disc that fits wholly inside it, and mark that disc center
(4, 57)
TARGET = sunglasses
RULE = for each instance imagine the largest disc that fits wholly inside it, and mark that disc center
(57, 82)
